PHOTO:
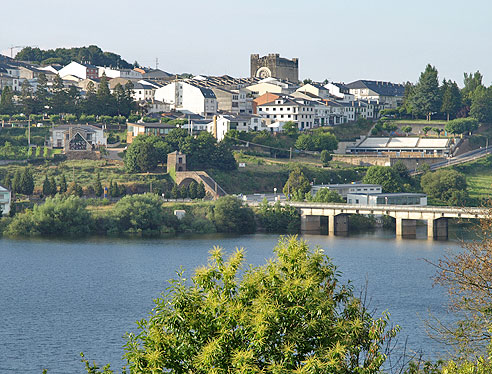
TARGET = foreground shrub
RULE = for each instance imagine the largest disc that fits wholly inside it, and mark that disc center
(61, 216)
(288, 316)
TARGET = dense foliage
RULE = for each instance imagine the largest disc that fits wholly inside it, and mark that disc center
(290, 315)
(63, 56)
(202, 152)
(297, 185)
(324, 195)
(278, 218)
(446, 185)
(230, 215)
(57, 216)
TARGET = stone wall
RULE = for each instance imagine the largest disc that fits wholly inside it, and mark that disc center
(279, 67)
(410, 162)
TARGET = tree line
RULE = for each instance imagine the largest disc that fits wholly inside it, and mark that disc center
(63, 56)
(58, 99)
(429, 99)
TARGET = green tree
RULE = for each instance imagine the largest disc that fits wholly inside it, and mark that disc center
(325, 157)
(7, 105)
(451, 99)
(385, 176)
(426, 129)
(41, 94)
(324, 195)
(297, 185)
(471, 83)
(98, 189)
(53, 187)
(46, 186)
(142, 213)
(442, 183)
(59, 98)
(145, 152)
(461, 125)
(278, 218)
(57, 216)
(193, 190)
(481, 104)
(200, 191)
(317, 142)
(437, 130)
(106, 103)
(426, 98)
(290, 315)
(63, 184)
(407, 129)
(230, 215)
(290, 129)
(26, 182)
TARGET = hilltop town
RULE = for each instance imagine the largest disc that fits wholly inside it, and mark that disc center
(85, 122)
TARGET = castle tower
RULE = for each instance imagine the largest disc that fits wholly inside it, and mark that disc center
(275, 66)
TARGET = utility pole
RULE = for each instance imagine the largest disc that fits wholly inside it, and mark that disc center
(290, 154)
(29, 132)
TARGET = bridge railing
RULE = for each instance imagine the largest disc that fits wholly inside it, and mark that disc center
(385, 207)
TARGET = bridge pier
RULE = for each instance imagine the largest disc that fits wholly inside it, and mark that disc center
(406, 227)
(338, 224)
(311, 224)
(437, 228)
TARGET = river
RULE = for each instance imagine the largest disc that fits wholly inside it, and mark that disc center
(59, 298)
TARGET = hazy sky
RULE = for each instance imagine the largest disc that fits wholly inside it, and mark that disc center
(341, 40)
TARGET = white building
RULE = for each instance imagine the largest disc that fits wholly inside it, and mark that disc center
(72, 137)
(285, 109)
(340, 91)
(316, 89)
(119, 73)
(233, 101)
(402, 198)
(5, 200)
(228, 122)
(186, 97)
(271, 85)
(81, 71)
(143, 92)
(386, 94)
(154, 106)
(349, 188)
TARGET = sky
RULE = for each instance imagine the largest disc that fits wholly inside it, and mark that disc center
(338, 40)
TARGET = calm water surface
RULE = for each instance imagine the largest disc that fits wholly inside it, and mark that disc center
(60, 298)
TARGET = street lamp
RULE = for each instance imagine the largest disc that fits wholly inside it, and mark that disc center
(275, 192)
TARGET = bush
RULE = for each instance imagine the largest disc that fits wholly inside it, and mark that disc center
(278, 218)
(57, 216)
(142, 214)
(231, 216)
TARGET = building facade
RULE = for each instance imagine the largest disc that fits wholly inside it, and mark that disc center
(77, 137)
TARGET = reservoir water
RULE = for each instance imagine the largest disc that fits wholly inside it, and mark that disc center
(60, 298)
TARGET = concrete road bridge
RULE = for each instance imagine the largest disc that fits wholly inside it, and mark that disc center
(315, 216)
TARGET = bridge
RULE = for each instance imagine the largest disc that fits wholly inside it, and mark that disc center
(315, 216)
(184, 178)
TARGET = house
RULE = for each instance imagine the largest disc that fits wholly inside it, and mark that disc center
(143, 92)
(154, 106)
(158, 129)
(316, 89)
(401, 198)
(153, 74)
(77, 137)
(223, 123)
(340, 91)
(233, 101)
(267, 97)
(119, 73)
(349, 188)
(185, 96)
(271, 85)
(387, 94)
(81, 71)
(287, 109)
(5, 200)
(195, 126)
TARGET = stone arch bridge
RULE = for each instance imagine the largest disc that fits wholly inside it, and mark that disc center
(184, 178)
